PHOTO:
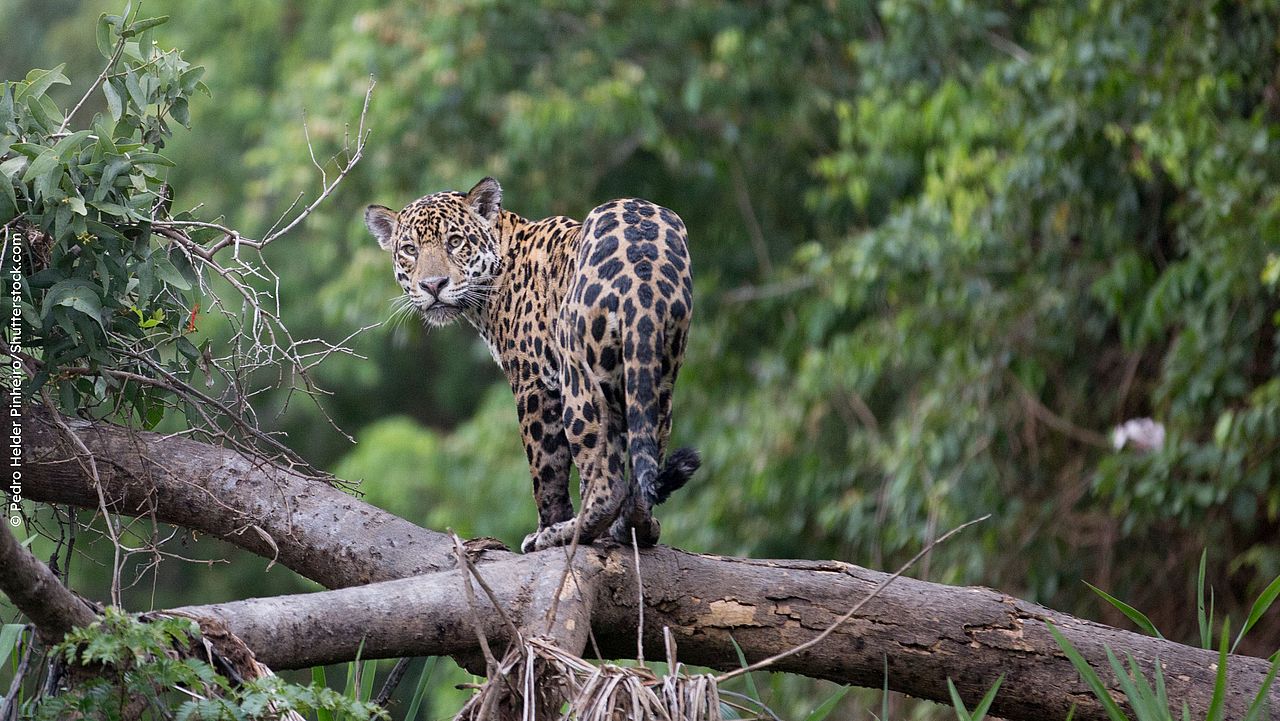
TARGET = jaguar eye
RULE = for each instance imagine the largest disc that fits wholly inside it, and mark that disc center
(410, 250)
(452, 242)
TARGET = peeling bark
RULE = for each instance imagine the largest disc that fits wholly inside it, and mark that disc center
(927, 632)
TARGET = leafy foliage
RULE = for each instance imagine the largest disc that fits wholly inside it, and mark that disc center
(83, 203)
(137, 672)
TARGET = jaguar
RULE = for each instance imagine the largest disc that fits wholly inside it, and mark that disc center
(587, 319)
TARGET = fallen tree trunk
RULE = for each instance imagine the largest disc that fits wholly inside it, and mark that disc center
(927, 632)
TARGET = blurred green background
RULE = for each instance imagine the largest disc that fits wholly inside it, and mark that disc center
(941, 249)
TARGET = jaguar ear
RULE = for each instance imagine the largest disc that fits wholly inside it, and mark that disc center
(381, 221)
(486, 199)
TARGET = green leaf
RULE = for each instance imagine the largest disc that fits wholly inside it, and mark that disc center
(10, 167)
(180, 112)
(169, 274)
(369, 675)
(884, 692)
(149, 158)
(103, 37)
(112, 170)
(38, 81)
(1260, 607)
(186, 348)
(318, 680)
(135, 91)
(424, 679)
(46, 163)
(100, 128)
(1134, 614)
(155, 414)
(9, 634)
(64, 147)
(113, 209)
(9, 209)
(77, 205)
(47, 110)
(144, 24)
(190, 78)
(114, 104)
(78, 294)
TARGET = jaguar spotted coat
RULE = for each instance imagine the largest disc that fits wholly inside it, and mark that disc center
(588, 321)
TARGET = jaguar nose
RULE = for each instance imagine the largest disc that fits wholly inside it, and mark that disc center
(434, 284)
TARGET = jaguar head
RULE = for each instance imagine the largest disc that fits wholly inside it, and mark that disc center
(445, 249)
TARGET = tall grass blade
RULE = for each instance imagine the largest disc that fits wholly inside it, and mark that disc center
(1206, 628)
(1138, 617)
(1260, 607)
(1128, 685)
(826, 707)
(1220, 683)
(420, 691)
(352, 689)
(962, 713)
(318, 679)
(752, 691)
(1260, 703)
(1089, 676)
(980, 712)
(367, 677)
(884, 695)
(1161, 692)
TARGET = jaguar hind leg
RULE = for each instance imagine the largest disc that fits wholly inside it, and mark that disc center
(599, 459)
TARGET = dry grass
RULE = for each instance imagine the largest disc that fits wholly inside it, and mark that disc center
(537, 680)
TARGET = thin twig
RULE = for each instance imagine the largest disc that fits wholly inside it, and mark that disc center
(568, 568)
(84, 457)
(857, 607)
(635, 551)
(491, 663)
(393, 680)
(111, 63)
(1057, 422)
(484, 586)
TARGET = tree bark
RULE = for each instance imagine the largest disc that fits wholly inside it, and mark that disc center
(927, 632)
(36, 592)
(278, 513)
